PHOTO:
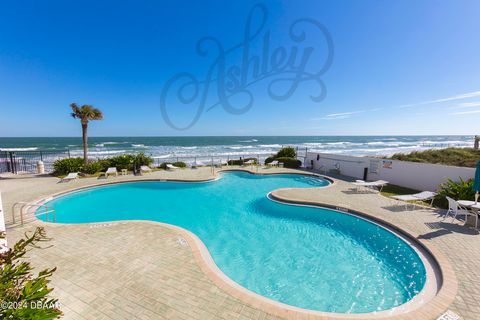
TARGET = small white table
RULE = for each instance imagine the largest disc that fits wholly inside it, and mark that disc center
(466, 203)
(475, 208)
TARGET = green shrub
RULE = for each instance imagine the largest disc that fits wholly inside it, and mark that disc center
(180, 164)
(124, 161)
(269, 159)
(287, 152)
(20, 286)
(240, 162)
(289, 162)
(461, 190)
(142, 160)
(67, 165)
(93, 167)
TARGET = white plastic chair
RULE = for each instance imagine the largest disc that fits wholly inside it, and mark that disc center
(454, 209)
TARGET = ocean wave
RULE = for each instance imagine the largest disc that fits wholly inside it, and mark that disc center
(252, 140)
(240, 147)
(19, 149)
(99, 145)
(270, 145)
(139, 146)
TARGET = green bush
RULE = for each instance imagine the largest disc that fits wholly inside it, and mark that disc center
(67, 165)
(269, 159)
(23, 288)
(127, 161)
(93, 167)
(289, 162)
(142, 160)
(287, 152)
(180, 164)
(124, 161)
(461, 190)
(240, 162)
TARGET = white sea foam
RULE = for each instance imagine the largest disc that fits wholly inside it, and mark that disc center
(19, 149)
(139, 145)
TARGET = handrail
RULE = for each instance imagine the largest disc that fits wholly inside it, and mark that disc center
(29, 205)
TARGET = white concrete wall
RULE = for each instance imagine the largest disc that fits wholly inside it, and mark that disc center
(3, 242)
(419, 176)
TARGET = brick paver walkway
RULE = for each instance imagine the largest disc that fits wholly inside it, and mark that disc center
(127, 270)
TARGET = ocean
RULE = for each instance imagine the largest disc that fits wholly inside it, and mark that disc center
(262, 146)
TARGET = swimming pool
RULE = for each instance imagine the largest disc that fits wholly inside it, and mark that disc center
(308, 257)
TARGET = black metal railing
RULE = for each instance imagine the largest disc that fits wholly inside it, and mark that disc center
(26, 161)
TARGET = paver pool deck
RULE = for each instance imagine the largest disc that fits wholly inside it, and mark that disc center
(140, 269)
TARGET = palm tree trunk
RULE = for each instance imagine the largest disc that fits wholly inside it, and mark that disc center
(85, 143)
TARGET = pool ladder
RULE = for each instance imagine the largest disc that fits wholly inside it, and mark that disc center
(26, 205)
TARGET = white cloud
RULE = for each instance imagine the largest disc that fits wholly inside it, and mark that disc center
(468, 104)
(338, 116)
(465, 112)
(452, 98)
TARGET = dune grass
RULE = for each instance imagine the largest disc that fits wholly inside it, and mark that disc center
(461, 157)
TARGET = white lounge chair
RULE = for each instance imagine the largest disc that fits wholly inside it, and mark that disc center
(70, 176)
(111, 170)
(454, 208)
(375, 185)
(421, 196)
(171, 166)
(145, 169)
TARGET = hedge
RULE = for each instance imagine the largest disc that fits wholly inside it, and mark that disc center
(127, 161)
(290, 162)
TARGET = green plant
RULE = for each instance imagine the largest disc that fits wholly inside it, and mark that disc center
(67, 165)
(93, 167)
(461, 190)
(22, 294)
(142, 160)
(289, 162)
(180, 164)
(287, 152)
(269, 159)
(85, 113)
(124, 161)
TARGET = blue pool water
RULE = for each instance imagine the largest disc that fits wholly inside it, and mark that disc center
(308, 257)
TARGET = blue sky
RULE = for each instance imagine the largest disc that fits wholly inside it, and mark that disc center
(399, 67)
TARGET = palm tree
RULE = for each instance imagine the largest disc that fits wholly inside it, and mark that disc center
(85, 113)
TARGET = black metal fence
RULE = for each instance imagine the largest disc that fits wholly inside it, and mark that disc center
(26, 161)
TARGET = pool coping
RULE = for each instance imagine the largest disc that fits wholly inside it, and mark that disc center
(429, 309)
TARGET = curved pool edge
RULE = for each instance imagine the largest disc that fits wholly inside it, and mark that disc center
(444, 273)
(432, 308)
